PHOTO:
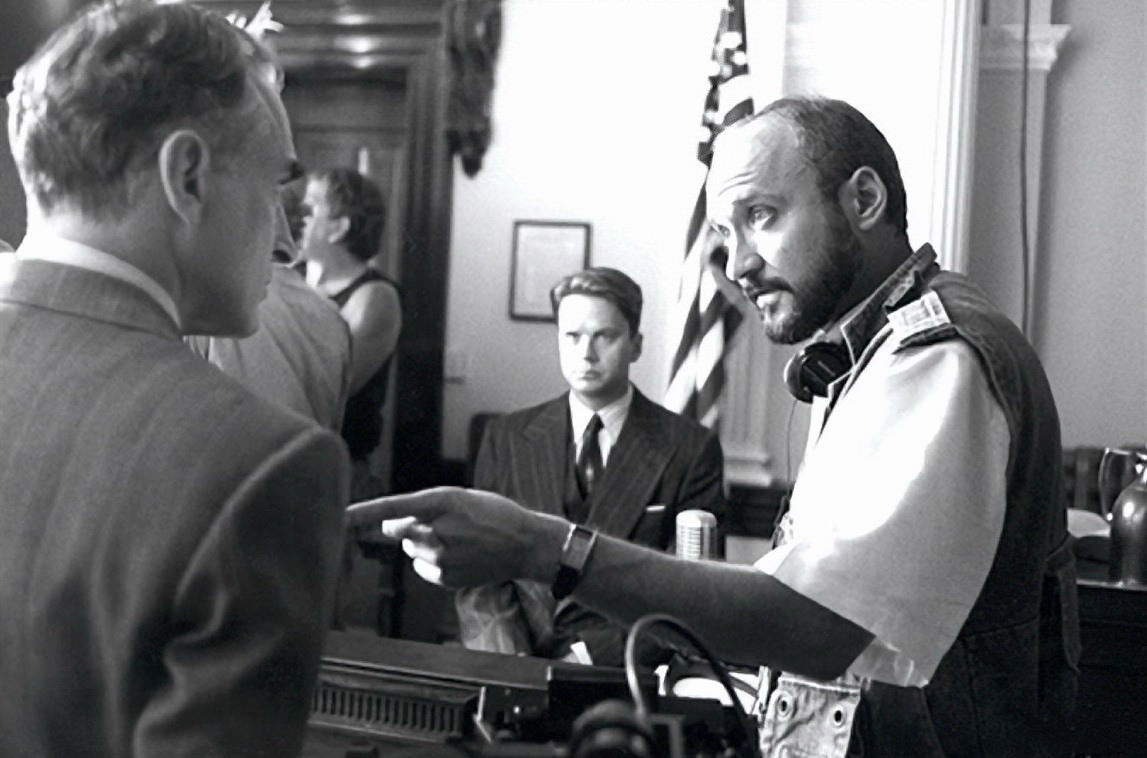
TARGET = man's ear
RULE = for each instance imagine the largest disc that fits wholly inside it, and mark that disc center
(864, 198)
(339, 227)
(635, 343)
(184, 163)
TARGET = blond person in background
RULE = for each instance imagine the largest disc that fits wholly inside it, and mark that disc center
(342, 231)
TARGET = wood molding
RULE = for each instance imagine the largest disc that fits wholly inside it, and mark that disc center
(1001, 47)
(744, 410)
(955, 133)
(1002, 52)
(473, 30)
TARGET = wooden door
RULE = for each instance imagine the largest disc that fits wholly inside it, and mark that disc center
(360, 124)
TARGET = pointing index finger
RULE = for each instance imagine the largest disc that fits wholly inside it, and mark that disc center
(424, 506)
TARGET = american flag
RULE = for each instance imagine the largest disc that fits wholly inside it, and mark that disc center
(704, 317)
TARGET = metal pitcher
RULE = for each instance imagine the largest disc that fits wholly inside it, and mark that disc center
(1127, 513)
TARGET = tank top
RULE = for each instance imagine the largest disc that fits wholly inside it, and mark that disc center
(362, 420)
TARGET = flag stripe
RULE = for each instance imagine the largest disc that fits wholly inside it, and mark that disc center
(734, 94)
(704, 318)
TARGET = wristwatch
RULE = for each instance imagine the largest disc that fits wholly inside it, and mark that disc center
(575, 553)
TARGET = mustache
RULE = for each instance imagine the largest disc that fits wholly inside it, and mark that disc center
(756, 287)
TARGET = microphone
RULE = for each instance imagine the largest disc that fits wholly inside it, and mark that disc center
(696, 535)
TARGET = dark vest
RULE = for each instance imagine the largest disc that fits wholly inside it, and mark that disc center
(362, 420)
(1009, 681)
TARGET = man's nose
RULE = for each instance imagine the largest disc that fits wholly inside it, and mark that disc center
(742, 258)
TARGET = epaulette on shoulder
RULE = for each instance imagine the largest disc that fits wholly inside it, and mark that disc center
(921, 321)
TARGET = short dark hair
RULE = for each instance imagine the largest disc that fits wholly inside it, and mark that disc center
(608, 283)
(96, 98)
(359, 200)
(836, 139)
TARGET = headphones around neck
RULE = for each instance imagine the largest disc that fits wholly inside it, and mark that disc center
(817, 365)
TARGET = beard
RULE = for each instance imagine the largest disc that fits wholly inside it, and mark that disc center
(813, 306)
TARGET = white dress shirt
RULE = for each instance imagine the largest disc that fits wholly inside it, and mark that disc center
(613, 418)
(45, 246)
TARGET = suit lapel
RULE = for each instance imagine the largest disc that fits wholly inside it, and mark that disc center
(632, 472)
(542, 451)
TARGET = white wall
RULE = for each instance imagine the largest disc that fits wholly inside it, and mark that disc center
(596, 112)
(1090, 302)
(1092, 307)
(882, 56)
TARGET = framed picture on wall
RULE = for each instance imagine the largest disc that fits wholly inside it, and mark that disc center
(544, 252)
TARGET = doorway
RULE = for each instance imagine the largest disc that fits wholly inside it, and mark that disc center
(360, 123)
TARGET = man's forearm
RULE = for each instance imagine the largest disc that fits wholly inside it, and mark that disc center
(742, 614)
(465, 538)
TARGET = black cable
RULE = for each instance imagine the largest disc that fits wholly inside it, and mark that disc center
(631, 673)
(1024, 251)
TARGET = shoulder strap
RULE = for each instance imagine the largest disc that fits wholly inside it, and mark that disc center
(370, 275)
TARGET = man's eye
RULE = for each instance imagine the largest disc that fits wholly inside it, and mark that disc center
(723, 231)
(760, 214)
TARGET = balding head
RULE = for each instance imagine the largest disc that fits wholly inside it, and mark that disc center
(833, 138)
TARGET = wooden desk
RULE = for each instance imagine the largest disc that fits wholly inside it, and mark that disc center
(1111, 710)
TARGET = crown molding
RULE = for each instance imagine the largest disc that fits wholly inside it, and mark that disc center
(1001, 47)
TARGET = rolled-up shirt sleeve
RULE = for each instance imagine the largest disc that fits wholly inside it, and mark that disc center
(898, 510)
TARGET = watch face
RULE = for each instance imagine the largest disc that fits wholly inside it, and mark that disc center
(575, 553)
(578, 547)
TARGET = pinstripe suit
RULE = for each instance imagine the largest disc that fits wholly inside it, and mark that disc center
(660, 459)
(168, 541)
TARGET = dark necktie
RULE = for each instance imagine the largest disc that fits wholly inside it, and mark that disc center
(589, 463)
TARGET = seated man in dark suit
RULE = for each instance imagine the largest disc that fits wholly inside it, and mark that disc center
(603, 455)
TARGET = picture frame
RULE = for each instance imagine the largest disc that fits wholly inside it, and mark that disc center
(543, 253)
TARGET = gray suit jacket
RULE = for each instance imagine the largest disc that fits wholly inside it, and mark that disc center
(168, 541)
(661, 465)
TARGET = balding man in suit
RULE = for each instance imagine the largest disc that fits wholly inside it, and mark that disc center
(168, 540)
(602, 455)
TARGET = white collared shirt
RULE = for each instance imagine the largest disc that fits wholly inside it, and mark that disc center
(613, 418)
(45, 246)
